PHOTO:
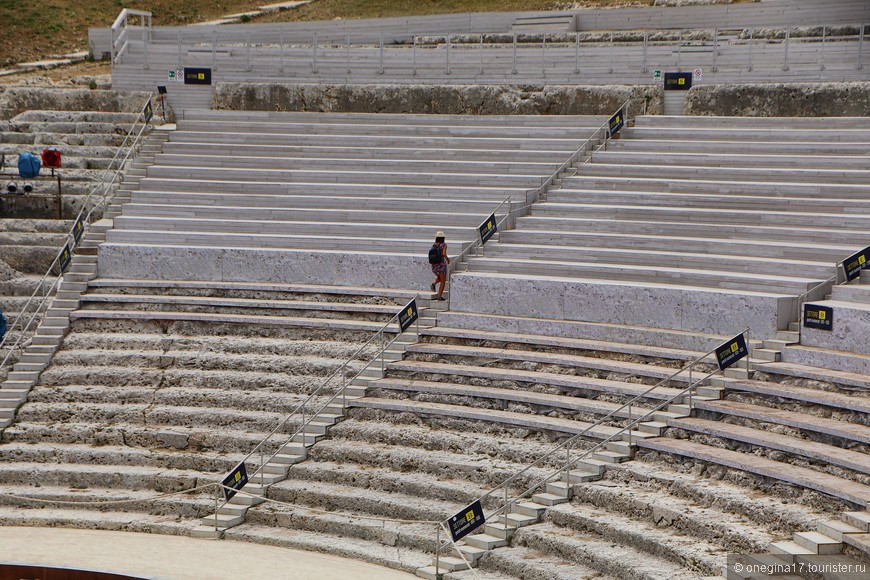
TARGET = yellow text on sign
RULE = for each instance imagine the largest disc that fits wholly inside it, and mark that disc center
(469, 516)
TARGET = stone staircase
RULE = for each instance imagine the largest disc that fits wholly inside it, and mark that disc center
(161, 385)
(54, 325)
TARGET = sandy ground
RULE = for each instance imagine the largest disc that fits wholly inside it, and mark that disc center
(177, 557)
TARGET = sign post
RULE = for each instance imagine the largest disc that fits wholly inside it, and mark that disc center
(466, 521)
(235, 480)
(817, 316)
(488, 228)
(731, 351)
(408, 315)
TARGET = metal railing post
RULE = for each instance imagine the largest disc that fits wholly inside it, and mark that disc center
(179, 47)
(822, 52)
(145, 34)
(480, 55)
(414, 54)
(643, 67)
(216, 496)
(281, 51)
(214, 49)
(437, 546)
(715, 49)
(577, 53)
(610, 56)
(381, 45)
(544, 55)
(751, 34)
(786, 43)
(860, 48)
(314, 54)
(514, 70)
(248, 51)
(680, 50)
(448, 54)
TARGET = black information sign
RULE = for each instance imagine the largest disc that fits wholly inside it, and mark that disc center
(616, 122)
(408, 315)
(678, 81)
(488, 228)
(148, 111)
(821, 317)
(855, 263)
(235, 480)
(731, 351)
(78, 229)
(197, 76)
(65, 258)
(466, 521)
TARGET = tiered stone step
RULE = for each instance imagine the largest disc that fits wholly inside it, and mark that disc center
(686, 229)
(237, 207)
(188, 379)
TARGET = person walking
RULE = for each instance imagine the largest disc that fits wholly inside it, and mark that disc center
(439, 261)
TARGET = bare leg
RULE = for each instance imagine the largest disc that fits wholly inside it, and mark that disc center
(442, 280)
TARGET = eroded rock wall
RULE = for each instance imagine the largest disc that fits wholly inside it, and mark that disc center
(781, 100)
(438, 99)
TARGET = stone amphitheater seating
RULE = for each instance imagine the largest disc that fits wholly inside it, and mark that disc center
(556, 62)
(664, 214)
(362, 193)
(172, 373)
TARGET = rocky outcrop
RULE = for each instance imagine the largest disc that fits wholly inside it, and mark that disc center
(781, 100)
(437, 99)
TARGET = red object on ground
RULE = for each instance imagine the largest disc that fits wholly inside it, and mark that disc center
(51, 157)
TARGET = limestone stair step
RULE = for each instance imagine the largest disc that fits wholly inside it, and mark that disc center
(432, 573)
(789, 547)
(549, 499)
(499, 530)
(529, 508)
(558, 487)
(233, 509)
(485, 541)
(767, 354)
(838, 529)
(516, 520)
(859, 542)
(818, 543)
(206, 532)
(610, 456)
(860, 520)
(223, 521)
(581, 476)
(452, 563)
(472, 553)
(13, 394)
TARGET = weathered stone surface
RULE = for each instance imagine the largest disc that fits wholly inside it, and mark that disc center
(781, 100)
(16, 98)
(261, 265)
(437, 99)
(657, 306)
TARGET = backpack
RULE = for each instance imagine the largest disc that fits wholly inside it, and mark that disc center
(2, 325)
(435, 255)
(28, 165)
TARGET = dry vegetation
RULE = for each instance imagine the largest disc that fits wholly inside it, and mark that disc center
(39, 29)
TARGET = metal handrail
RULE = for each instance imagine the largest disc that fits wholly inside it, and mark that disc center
(47, 293)
(567, 444)
(627, 405)
(536, 192)
(300, 408)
